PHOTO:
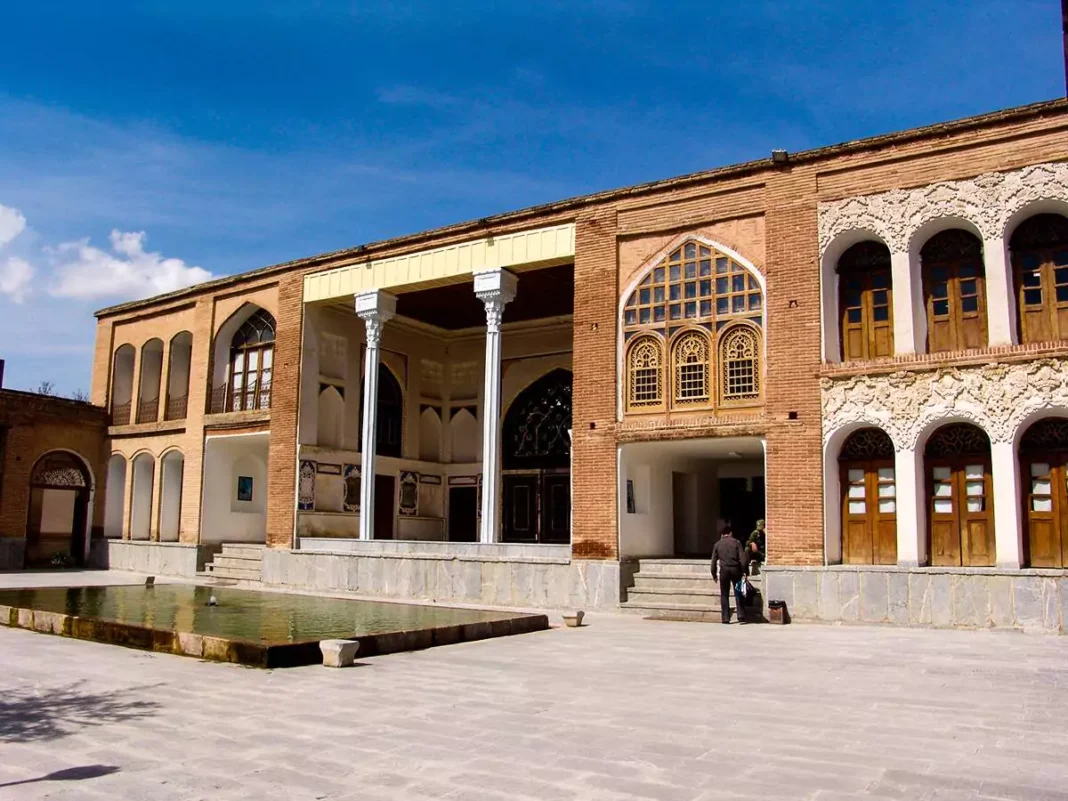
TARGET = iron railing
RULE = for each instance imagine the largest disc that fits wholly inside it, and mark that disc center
(250, 400)
(120, 413)
(176, 408)
(148, 411)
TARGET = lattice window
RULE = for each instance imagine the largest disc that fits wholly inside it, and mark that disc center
(958, 439)
(252, 363)
(644, 376)
(691, 368)
(867, 444)
(59, 469)
(739, 356)
(536, 428)
(1050, 434)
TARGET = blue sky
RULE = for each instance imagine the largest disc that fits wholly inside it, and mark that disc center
(148, 145)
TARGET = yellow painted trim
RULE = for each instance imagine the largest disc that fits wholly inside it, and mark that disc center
(443, 265)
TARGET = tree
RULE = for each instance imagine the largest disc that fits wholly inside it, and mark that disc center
(80, 395)
(46, 388)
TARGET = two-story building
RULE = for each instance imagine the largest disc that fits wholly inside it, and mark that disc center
(859, 343)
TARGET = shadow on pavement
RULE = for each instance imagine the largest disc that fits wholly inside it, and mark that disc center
(28, 714)
(69, 775)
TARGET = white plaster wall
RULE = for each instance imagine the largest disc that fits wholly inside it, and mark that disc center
(170, 510)
(141, 513)
(226, 519)
(115, 500)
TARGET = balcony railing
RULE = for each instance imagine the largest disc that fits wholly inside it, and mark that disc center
(250, 400)
(120, 413)
(148, 411)
(176, 408)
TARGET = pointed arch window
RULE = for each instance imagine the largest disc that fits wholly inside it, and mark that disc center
(739, 358)
(645, 388)
(252, 363)
(690, 368)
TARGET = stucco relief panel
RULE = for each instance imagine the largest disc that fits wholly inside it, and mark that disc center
(997, 397)
(988, 201)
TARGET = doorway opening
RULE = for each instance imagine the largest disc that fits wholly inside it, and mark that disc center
(60, 485)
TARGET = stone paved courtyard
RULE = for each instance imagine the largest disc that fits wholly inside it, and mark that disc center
(621, 709)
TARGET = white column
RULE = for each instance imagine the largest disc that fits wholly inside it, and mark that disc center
(1000, 294)
(495, 288)
(911, 508)
(375, 308)
(905, 304)
(1008, 533)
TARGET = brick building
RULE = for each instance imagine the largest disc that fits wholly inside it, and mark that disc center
(860, 343)
(52, 457)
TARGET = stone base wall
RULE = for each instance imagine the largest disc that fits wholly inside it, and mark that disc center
(526, 576)
(12, 553)
(155, 558)
(1032, 600)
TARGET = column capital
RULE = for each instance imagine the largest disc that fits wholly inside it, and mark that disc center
(375, 308)
(496, 289)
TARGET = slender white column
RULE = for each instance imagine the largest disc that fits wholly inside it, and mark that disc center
(1008, 533)
(495, 288)
(905, 305)
(1000, 294)
(911, 508)
(375, 308)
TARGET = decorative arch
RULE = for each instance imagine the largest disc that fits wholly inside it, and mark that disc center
(953, 277)
(122, 371)
(243, 361)
(644, 374)
(144, 469)
(692, 283)
(115, 497)
(172, 478)
(868, 498)
(463, 436)
(865, 301)
(1043, 455)
(149, 381)
(690, 362)
(537, 425)
(1039, 253)
(61, 485)
(430, 434)
(960, 497)
(179, 363)
(740, 365)
(331, 417)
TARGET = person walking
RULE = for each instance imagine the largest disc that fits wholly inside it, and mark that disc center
(729, 560)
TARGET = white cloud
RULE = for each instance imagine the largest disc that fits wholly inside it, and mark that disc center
(128, 272)
(12, 223)
(15, 277)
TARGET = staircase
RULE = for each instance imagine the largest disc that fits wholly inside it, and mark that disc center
(236, 562)
(682, 589)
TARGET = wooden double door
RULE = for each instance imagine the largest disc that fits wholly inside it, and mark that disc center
(1045, 481)
(537, 507)
(961, 511)
(869, 512)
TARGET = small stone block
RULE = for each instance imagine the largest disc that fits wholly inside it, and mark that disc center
(339, 653)
(574, 620)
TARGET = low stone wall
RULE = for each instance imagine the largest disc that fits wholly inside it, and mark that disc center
(12, 553)
(1033, 600)
(528, 576)
(155, 558)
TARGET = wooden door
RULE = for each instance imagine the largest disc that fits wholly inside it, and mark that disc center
(1046, 503)
(385, 506)
(961, 512)
(869, 513)
(954, 291)
(556, 508)
(866, 309)
(520, 508)
(463, 514)
(1040, 268)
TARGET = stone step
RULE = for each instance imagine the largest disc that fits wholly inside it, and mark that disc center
(698, 597)
(680, 581)
(247, 574)
(700, 567)
(688, 612)
(240, 562)
(243, 550)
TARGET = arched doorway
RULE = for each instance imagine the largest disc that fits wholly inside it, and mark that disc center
(1044, 467)
(960, 499)
(59, 508)
(536, 461)
(869, 499)
(170, 507)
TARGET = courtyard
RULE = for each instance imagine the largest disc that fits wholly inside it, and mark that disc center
(623, 708)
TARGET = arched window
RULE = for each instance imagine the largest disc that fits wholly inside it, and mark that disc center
(960, 497)
(739, 360)
(864, 301)
(645, 388)
(251, 363)
(390, 415)
(690, 368)
(695, 287)
(869, 499)
(954, 291)
(1040, 267)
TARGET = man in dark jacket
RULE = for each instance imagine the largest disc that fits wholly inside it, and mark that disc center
(729, 560)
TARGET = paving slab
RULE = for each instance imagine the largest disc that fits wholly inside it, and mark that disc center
(622, 709)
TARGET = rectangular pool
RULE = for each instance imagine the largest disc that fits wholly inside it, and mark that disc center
(263, 629)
